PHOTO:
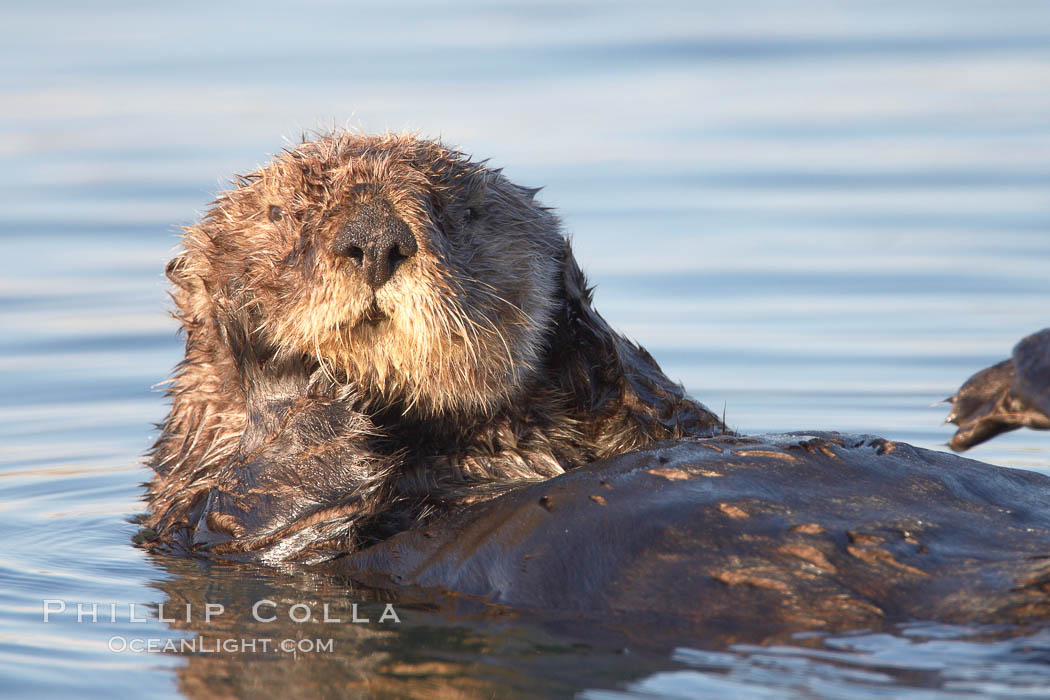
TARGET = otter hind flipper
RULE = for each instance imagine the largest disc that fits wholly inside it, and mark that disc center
(977, 407)
(1012, 394)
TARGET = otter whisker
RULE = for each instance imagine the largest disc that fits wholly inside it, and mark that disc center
(322, 364)
(491, 293)
(455, 315)
(511, 363)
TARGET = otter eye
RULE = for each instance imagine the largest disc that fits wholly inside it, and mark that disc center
(276, 213)
(472, 214)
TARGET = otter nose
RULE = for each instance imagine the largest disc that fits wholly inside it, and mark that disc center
(377, 241)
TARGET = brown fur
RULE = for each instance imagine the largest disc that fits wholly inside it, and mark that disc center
(312, 416)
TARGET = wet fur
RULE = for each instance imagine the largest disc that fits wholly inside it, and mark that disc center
(301, 427)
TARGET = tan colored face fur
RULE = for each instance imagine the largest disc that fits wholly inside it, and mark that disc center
(457, 327)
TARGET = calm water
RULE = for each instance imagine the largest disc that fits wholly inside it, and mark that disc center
(815, 214)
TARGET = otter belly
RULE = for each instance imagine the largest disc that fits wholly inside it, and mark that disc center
(799, 530)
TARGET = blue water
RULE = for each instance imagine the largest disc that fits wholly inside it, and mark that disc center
(814, 214)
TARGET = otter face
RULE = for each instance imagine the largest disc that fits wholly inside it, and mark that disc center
(392, 264)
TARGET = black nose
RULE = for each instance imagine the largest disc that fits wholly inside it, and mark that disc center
(377, 241)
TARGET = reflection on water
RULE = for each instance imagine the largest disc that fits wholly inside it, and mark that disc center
(816, 215)
(420, 654)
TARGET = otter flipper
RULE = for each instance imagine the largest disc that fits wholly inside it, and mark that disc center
(1012, 394)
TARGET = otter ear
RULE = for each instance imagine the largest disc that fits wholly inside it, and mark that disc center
(191, 294)
(180, 274)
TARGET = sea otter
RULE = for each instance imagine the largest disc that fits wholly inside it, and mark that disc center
(378, 329)
(394, 373)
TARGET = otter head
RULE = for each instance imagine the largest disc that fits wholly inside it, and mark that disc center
(393, 265)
